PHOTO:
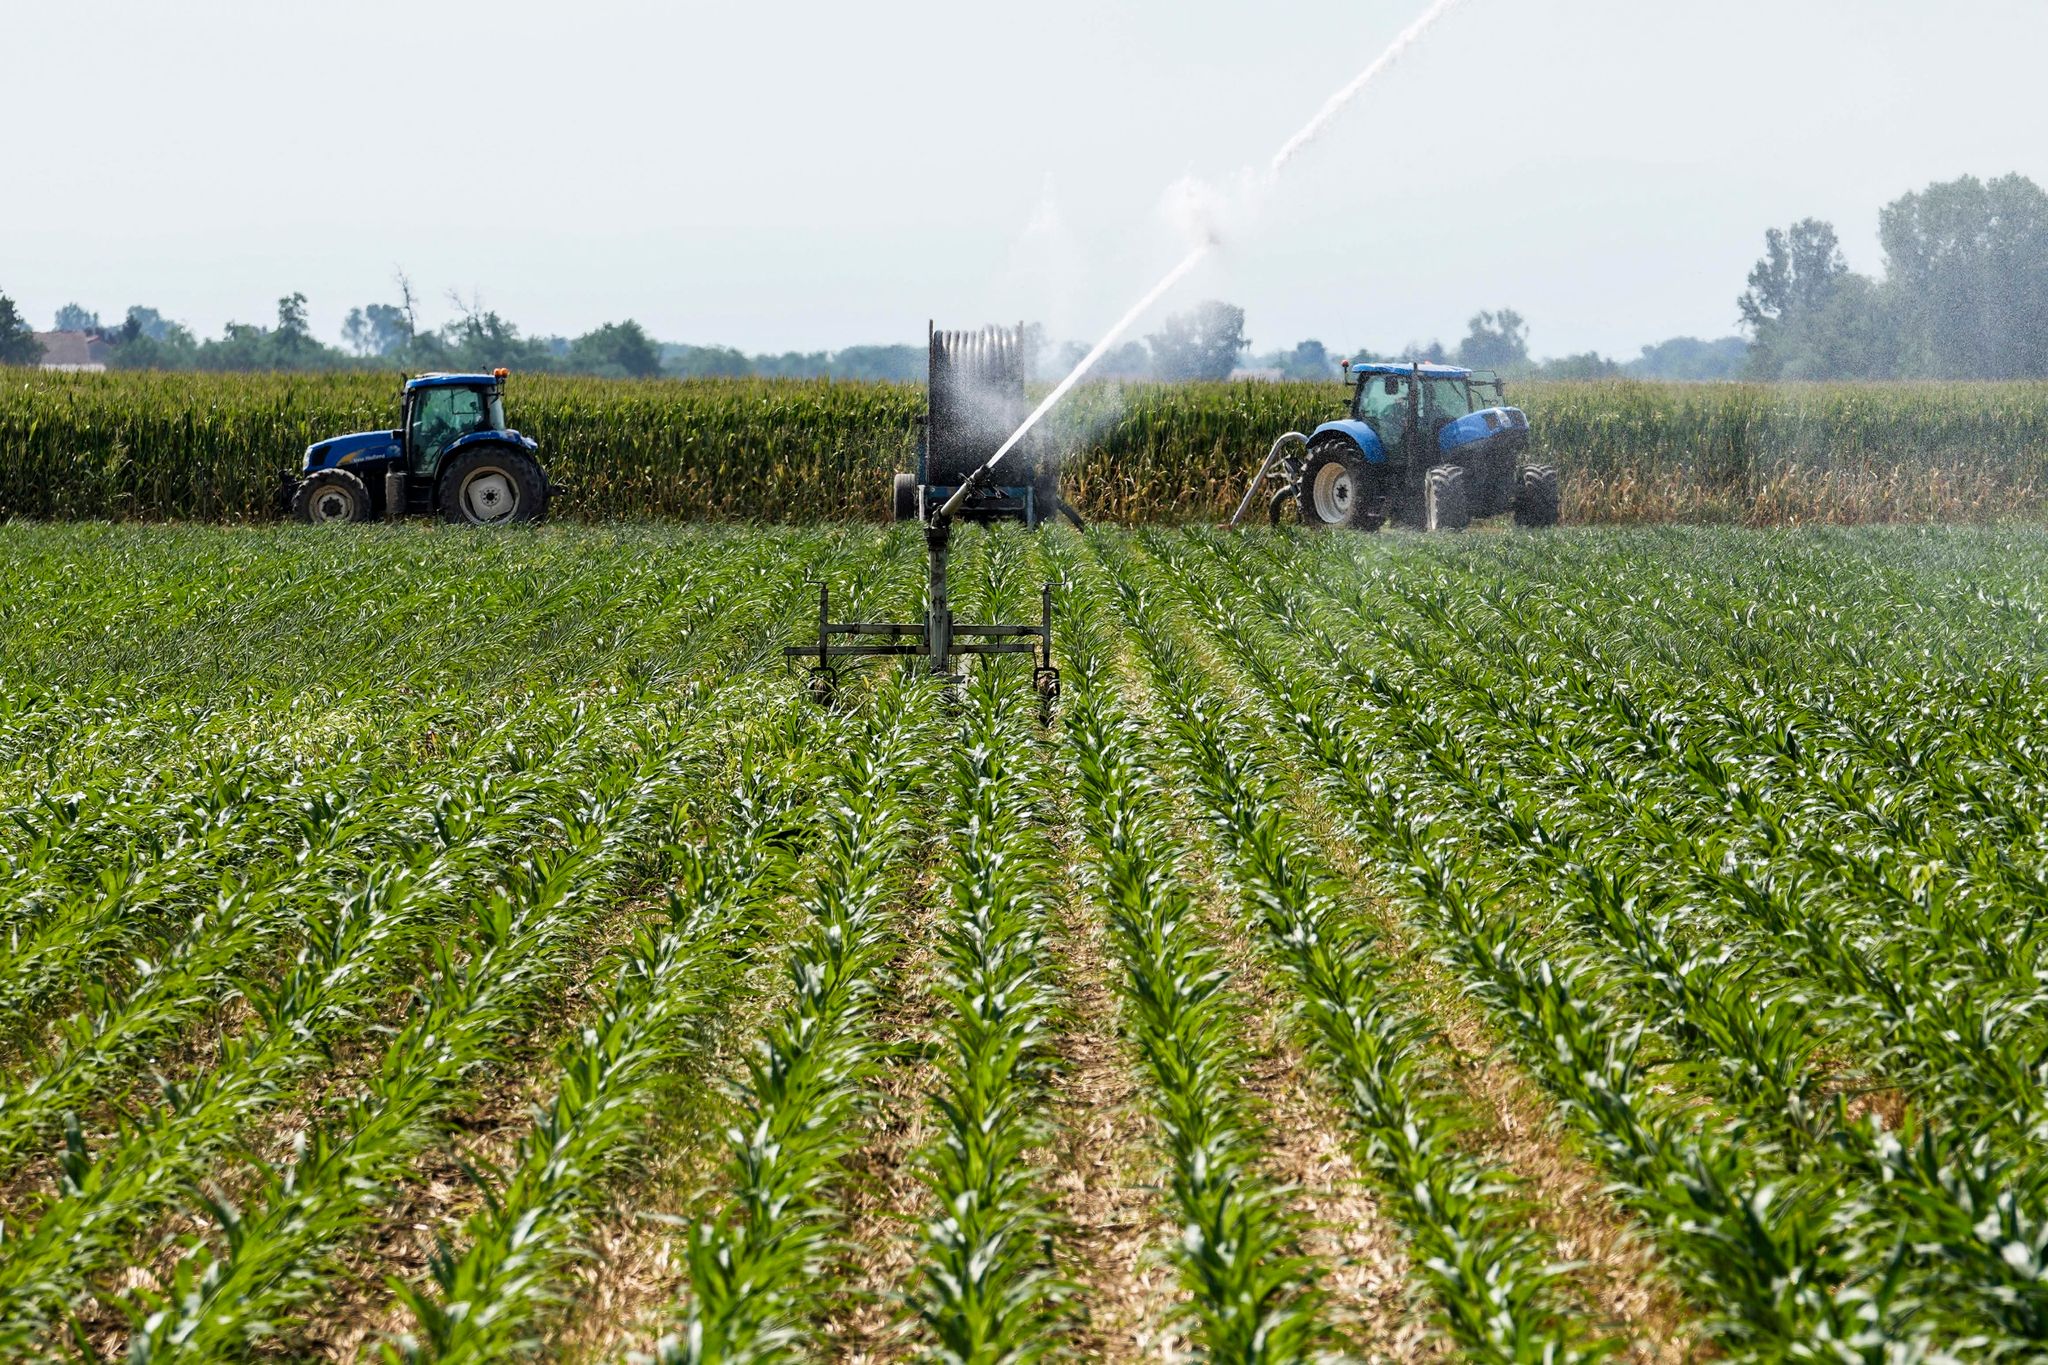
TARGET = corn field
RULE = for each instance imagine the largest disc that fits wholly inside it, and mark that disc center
(1519, 946)
(209, 447)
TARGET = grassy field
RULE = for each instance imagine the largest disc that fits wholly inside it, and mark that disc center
(1518, 947)
(208, 447)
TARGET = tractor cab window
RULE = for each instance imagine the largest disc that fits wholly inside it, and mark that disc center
(1383, 404)
(1445, 400)
(442, 415)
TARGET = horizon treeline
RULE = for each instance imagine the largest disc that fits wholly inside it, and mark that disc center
(1963, 294)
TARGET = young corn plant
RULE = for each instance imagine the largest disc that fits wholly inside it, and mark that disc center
(1768, 1257)
(1499, 1296)
(1251, 1294)
(487, 989)
(987, 1291)
(761, 1269)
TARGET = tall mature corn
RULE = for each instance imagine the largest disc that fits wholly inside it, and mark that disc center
(210, 446)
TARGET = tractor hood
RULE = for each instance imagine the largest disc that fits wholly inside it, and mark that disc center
(1483, 426)
(352, 449)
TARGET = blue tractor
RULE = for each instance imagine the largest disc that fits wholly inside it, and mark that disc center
(1431, 446)
(452, 455)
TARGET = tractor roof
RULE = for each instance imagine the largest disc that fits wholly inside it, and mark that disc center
(451, 381)
(1427, 371)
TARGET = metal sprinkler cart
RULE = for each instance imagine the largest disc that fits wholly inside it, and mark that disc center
(975, 399)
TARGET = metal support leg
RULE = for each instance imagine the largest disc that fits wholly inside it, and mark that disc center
(1045, 678)
(938, 618)
(824, 679)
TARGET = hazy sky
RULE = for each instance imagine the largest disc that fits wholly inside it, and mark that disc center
(795, 175)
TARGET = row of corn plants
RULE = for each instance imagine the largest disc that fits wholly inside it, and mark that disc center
(228, 947)
(1759, 1040)
(489, 1294)
(210, 446)
(1251, 1295)
(355, 947)
(987, 1289)
(1757, 1248)
(1843, 968)
(762, 1269)
(1498, 1290)
(1788, 874)
(486, 1293)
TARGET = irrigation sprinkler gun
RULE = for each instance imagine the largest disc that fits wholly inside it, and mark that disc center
(976, 382)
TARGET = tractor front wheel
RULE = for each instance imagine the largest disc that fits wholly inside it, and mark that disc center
(1537, 502)
(331, 495)
(492, 487)
(1444, 507)
(1339, 489)
(905, 493)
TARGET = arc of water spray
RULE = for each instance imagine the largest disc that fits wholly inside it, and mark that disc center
(1289, 149)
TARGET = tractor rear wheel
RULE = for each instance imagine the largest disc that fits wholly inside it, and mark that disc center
(1444, 507)
(494, 486)
(1537, 502)
(1339, 489)
(331, 495)
(906, 497)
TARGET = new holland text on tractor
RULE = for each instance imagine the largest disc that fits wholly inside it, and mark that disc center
(1432, 446)
(451, 455)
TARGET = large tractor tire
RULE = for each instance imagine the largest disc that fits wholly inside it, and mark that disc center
(1444, 507)
(1339, 490)
(494, 486)
(905, 496)
(332, 495)
(1537, 501)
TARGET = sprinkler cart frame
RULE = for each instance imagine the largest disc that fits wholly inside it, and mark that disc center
(939, 637)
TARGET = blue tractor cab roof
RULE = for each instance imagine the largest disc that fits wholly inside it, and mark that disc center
(1427, 371)
(452, 381)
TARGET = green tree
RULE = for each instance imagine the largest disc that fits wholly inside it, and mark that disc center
(1202, 343)
(1966, 265)
(1128, 361)
(618, 350)
(1854, 334)
(148, 324)
(896, 364)
(1691, 358)
(376, 330)
(18, 344)
(1806, 311)
(1308, 360)
(147, 340)
(1586, 365)
(704, 362)
(1800, 270)
(73, 318)
(1495, 341)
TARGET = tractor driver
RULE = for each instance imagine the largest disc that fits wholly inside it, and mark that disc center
(443, 415)
(1385, 406)
(1444, 401)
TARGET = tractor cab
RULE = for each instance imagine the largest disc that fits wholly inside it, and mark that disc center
(442, 409)
(452, 454)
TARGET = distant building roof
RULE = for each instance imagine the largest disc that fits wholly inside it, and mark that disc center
(74, 350)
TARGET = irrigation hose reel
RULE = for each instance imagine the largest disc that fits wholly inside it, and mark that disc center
(975, 401)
